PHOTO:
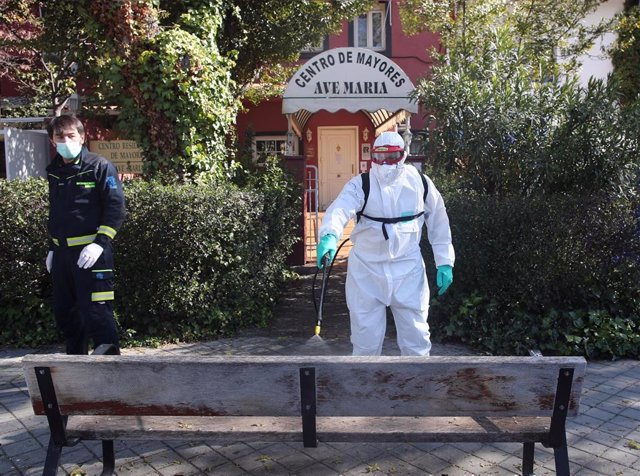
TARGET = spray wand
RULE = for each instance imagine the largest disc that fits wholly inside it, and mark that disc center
(325, 275)
(326, 272)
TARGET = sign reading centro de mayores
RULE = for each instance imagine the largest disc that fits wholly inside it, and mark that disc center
(351, 79)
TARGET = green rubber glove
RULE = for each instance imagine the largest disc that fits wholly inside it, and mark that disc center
(328, 244)
(444, 278)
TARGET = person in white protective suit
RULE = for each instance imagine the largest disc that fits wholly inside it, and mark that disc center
(385, 263)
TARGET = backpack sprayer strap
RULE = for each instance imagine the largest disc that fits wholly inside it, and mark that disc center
(384, 221)
(366, 187)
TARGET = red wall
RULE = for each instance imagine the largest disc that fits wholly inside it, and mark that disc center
(8, 88)
(266, 117)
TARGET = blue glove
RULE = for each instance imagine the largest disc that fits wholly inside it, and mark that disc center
(328, 244)
(444, 278)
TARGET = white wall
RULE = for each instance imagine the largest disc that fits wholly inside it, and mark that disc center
(596, 63)
(26, 153)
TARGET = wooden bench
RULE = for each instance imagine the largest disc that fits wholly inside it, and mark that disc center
(306, 399)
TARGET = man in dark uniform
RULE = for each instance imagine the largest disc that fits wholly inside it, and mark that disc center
(86, 210)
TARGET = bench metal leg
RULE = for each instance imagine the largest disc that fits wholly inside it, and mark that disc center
(308, 406)
(108, 458)
(562, 459)
(557, 430)
(528, 450)
(52, 460)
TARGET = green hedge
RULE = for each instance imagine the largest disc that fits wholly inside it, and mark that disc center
(25, 290)
(192, 261)
(558, 273)
(540, 177)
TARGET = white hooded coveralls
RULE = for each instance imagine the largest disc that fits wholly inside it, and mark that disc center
(390, 272)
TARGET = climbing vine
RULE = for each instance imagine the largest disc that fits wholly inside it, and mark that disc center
(171, 84)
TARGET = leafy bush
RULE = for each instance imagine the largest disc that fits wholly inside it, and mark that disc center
(191, 261)
(558, 273)
(201, 261)
(625, 52)
(501, 128)
(25, 290)
(171, 83)
(540, 179)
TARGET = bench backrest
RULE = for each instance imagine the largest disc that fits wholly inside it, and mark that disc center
(271, 385)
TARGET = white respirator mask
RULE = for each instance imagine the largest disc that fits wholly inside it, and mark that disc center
(387, 174)
(388, 156)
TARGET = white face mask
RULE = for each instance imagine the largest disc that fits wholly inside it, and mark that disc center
(69, 150)
(388, 173)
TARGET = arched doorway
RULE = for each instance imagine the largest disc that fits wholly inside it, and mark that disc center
(331, 84)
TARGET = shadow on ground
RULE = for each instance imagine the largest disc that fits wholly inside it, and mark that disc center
(295, 315)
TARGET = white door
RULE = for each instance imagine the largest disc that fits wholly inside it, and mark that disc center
(26, 153)
(337, 160)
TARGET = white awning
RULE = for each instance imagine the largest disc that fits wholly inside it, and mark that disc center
(353, 79)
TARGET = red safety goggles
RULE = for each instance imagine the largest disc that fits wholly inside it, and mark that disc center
(387, 154)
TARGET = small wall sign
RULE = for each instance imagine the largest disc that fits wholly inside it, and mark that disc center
(366, 151)
(124, 154)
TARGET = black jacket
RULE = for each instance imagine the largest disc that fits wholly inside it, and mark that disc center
(85, 199)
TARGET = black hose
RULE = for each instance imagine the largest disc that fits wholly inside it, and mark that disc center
(325, 279)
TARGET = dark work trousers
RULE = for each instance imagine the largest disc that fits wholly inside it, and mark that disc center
(80, 313)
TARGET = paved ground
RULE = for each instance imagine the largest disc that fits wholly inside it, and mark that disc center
(603, 440)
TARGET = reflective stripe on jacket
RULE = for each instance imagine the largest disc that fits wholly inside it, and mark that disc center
(86, 200)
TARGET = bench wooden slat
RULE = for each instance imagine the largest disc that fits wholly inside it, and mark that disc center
(269, 386)
(432, 429)
(225, 430)
(219, 429)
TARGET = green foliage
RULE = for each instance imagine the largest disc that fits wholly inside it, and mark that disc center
(40, 46)
(192, 261)
(266, 34)
(25, 290)
(540, 27)
(171, 83)
(501, 128)
(557, 273)
(224, 273)
(540, 178)
(594, 334)
(186, 83)
(24, 107)
(211, 257)
(625, 54)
